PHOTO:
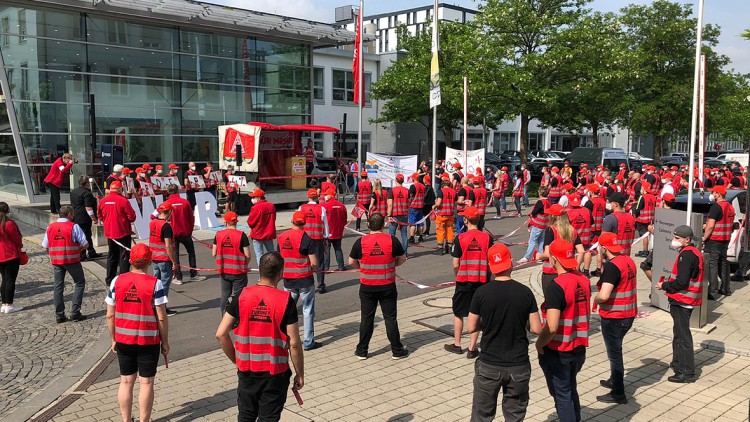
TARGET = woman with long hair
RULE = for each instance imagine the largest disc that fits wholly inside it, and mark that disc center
(498, 194)
(379, 202)
(518, 192)
(11, 243)
(559, 228)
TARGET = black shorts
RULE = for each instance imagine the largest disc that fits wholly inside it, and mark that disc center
(641, 227)
(142, 359)
(648, 263)
(462, 298)
(233, 197)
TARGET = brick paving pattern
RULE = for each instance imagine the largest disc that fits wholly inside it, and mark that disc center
(35, 349)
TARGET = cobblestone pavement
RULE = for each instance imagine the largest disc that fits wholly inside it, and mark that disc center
(36, 351)
(435, 385)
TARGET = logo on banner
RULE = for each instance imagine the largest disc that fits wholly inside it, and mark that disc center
(233, 138)
(376, 250)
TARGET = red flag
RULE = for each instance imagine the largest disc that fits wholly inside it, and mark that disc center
(356, 64)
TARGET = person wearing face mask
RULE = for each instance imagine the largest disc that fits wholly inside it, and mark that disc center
(262, 223)
(116, 176)
(232, 190)
(189, 187)
(148, 171)
(654, 180)
(211, 184)
(620, 222)
(140, 179)
(54, 180)
(618, 305)
(684, 288)
(160, 241)
(717, 233)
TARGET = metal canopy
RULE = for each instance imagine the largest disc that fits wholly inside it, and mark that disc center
(211, 16)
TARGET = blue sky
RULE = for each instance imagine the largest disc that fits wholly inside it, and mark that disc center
(731, 15)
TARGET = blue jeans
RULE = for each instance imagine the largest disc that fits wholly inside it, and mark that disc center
(163, 271)
(536, 241)
(560, 370)
(259, 245)
(308, 311)
(403, 227)
(613, 331)
(503, 203)
(525, 195)
(460, 224)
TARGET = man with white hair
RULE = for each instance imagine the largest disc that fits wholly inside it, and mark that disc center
(116, 176)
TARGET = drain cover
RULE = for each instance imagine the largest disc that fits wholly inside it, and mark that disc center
(439, 302)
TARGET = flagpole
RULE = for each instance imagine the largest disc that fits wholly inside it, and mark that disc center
(466, 125)
(702, 117)
(361, 80)
(694, 123)
(435, 48)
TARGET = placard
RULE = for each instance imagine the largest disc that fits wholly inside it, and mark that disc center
(163, 182)
(147, 189)
(196, 181)
(386, 167)
(129, 184)
(474, 159)
(240, 181)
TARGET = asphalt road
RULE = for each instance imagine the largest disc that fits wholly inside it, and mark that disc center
(191, 331)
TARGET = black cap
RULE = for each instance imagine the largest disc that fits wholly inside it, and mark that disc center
(618, 197)
(683, 231)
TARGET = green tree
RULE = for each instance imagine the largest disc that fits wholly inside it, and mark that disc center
(662, 36)
(522, 72)
(727, 107)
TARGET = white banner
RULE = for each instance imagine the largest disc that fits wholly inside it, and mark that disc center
(163, 182)
(475, 159)
(238, 180)
(240, 134)
(434, 64)
(386, 167)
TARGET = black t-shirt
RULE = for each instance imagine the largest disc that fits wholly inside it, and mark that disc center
(429, 195)
(244, 241)
(80, 198)
(462, 192)
(611, 274)
(715, 212)
(554, 298)
(538, 209)
(166, 232)
(549, 237)
(688, 266)
(356, 253)
(306, 247)
(504, 308)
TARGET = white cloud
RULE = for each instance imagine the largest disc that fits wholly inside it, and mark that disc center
(302, 9)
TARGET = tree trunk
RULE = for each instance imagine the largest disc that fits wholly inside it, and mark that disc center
(523, 143)
(595, 133)
(448, 133)
(658, 147)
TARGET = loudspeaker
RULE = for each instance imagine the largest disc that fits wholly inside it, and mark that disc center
(111, 156)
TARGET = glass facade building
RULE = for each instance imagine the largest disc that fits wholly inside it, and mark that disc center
(160, 89)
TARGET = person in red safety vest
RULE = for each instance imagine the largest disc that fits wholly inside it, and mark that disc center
(472, 271)
(480, 200)
(64, 240)
(232, 189)
(231, 249)
(716, 236)
(644, 213)
(445, 210)
(597, 207)
(262, 223)
(364, 197)
(398, 211)
(266, 334)
(565, 333)
(618, 305)
(538, 223)
(161, 242)
(417, 192)
(317, 228)
(684, 288)
(336, 213)
(116, 214)
(619, 221)
(183, 223)
(377, 255)
(137, 324)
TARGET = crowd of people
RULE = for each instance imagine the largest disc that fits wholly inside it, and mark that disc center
(577, 218)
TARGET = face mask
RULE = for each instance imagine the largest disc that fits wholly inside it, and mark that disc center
(255, 200)
(140, 175)
(192, 168)
(665, 181)
(173, 172)
(675, 244)
(711, 198)
(158, 171)
(609, 207)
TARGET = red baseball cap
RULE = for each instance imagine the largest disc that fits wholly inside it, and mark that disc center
(257, 193)
(499, 258)
(126, 170)
(427, 178)
(174, 166)
(140, 253)
(593, 187)
(674, 168)
(564, 252)
(568, 186)
(330, 192)
(164, 206)
(609, 241)
(622, 165)
(646, 186)
(584, 165)
(555, 169)
(140, 170)
(720, 189)
(445, 176)
(312, 193)
(230, 217)
(479, 180)
(363, 173)
(115, 185)
(400, 177)
(504, 168)
(159, 167)
(414, 176)
(299, 217)
(147, 166)
(556, 210)
(471, 212)
(456, 165)
(667, 176)
(668, 197)
(575, 201)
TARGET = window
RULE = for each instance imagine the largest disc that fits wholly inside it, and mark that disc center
(319, 84)
(118, 81)
(536, 141)
(22, 26)
(343, 86)
(506, 141)
(318, 141)
(5, 28)
(117, 32)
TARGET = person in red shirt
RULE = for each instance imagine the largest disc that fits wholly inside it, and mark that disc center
(336, 212)
(190, 187)
(116, 213)
(11, 244)
(231, 249)
(317, 228)
(232, 190)
(262, 223)
(327, 185)
(54, 180)
(183, 223)
(161, 242)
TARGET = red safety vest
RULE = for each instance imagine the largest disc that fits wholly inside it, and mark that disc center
(547, 268)
(723, 228)
(647, 212)
(472, 266)
(557, 191)
(655, 187)
(541, 220)
(377, 267)
(599, 209)
(314, 223)
(580, 219)
(296, 265)
(400, 197)
(135, 318)
(381, 202)
(336, 215)
(693, 295)
(573, 329)
(460, 206)
(230, 186)
(309, 154)
(259, 343)
(62, 249)
(480, 200)
(229, 256)
(623, 302)
(417, 201)
(625, 231)
(158, 247)
(448, 202)
(364, 193)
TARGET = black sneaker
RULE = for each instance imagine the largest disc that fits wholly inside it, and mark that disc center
(681, 379)
(441, 251)
(411, 239)
(79, 317)
(587, 273)
(611, 398)
(472, 354)
(596, 273)
(315, 345)
(171, 312)
(401, 355)
(95, 255)
(420, 239)
(453, 349)
(322, 289)
(606, 383)
(360, 356)
(60, 320)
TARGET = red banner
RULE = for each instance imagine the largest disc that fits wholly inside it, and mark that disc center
(232, 138)
(357, 59)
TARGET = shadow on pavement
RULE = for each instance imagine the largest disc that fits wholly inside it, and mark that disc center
(401, 417)
(203, 407)
(341, 331)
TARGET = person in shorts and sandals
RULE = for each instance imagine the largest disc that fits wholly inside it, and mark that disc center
(137, 323)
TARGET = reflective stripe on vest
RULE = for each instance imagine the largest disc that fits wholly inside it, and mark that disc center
(135, 320)
(158, 247)
(381, 202)
(260, 345)
(400, 197)
(480, 200)
(314, 223)
(377, 266)
(598, 212)
(693, 294)
(296, 265)
(62, 249)
(448, 202)
(541, 221)
(580, 219)
(622, 302)
(723, 228)
(472, 266)
(646, 215)
(417, 201)
(229, 257)
(557, 191)
(625, 231)
(364, 192)
(573, 328)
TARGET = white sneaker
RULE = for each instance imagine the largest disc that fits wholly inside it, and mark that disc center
(177, 281)
(3, 309)
(522, 261)
(198, 278)
(11, 308)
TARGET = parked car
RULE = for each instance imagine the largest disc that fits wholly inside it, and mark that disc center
(562, 154)
(539, 159)
(608, 157)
